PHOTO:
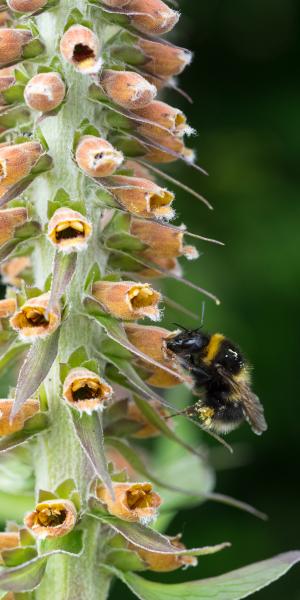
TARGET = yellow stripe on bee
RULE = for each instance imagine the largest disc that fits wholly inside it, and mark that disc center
(213, 347)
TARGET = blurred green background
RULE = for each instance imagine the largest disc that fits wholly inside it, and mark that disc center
(246, 110)
(246, 95)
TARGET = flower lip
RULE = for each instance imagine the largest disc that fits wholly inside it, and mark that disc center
(52, 518)
(31, 321)
(85, 391)
(136, 502)
(69, 230)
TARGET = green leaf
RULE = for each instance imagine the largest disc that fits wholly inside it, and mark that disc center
(231, 586)
(12, 355)
(32, 427)
(17, 556)
(90, 434)
(65, 489)
(44, 495)
(26, 538)
(63, 270)
(72, 543)
(35, 368)
(77, 357)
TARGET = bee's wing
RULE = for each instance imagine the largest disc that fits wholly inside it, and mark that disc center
(253, 411)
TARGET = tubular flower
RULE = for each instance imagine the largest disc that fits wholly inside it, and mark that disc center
(52, 518)
(7, 79)
(10, 219)
(32, 320)
(26, 6)
(163, 242)
(8, 426)
(128, 300)
(11, 270)
(165, 563)
(45, 91)
(12, 42)
(8, 540)
(152, 342)
(80, 47)
(16, 162)
(7, 307)
(97, 157)
(85, 390)
(142, 197)
(171, 120)
(69, 230)
(147, 429)
(155, 17)
(174, 148)
(128, 89)
(133, 501)
(163, 60)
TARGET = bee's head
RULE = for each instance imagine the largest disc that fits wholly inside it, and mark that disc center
(187, 342)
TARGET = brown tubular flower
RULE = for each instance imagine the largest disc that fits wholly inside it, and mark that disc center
(11, 270)
(26, 6)
(8, 540)
(52, 518)
(12, 42)
(156, 17)
(163, 242)
(31, 320)
(128, 300)
(7, 307)
(175, 145)
(85, 390)
(128, 89)
(133, 501)
(164, 60)
(171, 119)
(10, 219)
(142, 197)
(28, 409)
(16, 162)
(152, 342)
(45, 91)
(147, 430)
(97, 157)
(69, 230)
(164, 563)
(7, 79)
(80, 47)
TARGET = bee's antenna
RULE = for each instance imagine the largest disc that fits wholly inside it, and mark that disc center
(180, 326)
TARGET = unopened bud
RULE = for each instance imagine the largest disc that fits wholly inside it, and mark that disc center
(97, 157)
(11, 270)
(128, 300)
(7, 307)
(128, 89)
(152, 342)
(163, 241)
(26, 6)
(171, 120)
(52, 518)
(69, 230)
(9, 220)
(177, 150)
(155, 17)
(16, 162)
(12, 42)
(142, 197)
(45, 91)
(27, 410)
(32, 320)
(147, 430)
(80, 47)
(86, 391)
(164, 60)
(165, 563)
(133, 501)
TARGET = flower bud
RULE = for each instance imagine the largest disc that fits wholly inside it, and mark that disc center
(16, 162)
(10, 219)
(172, 143)
(85, 390)
(52, 518)
(171, 119)
(26, 6)
(97, 157)
(11, 44)
(133, 501)
(164, 563)
(128, 300)
(69, 230)
(164, 242)
(147, 430)
(142, 197)
(12, 269)
(8, 540)
(27, 410)
(152, 342)
(156, 17)
(164, 60)
(31, 320)
(45, 91)
(80, 47)
(128, 89)
(7, 307)
(7, 79)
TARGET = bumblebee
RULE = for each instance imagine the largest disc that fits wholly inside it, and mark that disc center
(221, 377)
